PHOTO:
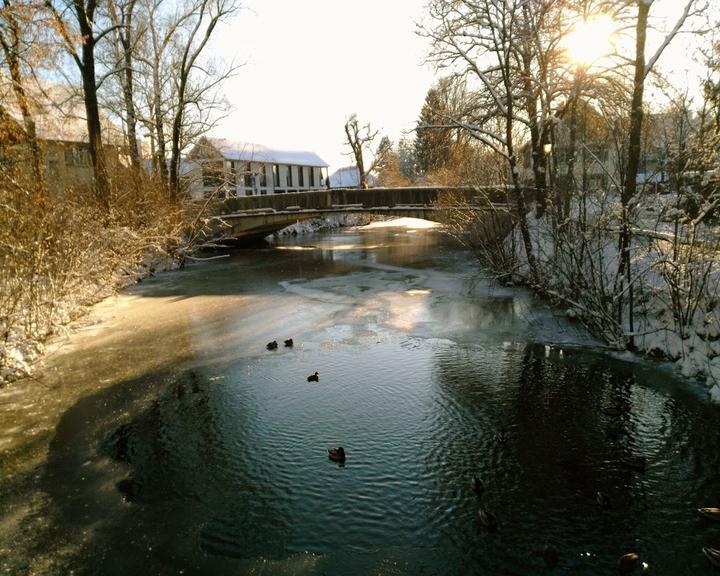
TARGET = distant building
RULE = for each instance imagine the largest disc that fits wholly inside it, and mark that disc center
(229, 169)
(348, 177)
(61, 131)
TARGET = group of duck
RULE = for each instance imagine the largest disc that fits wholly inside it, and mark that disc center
(712, 554)
(336, 454)
(626, 564)
(289, 344)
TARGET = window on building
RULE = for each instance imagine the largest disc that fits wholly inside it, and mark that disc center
(263, 176)
(311, 179)
(323, 176)
(77, 155)
(247, 176)
(288, 177)
(276, 175)
(301, 177)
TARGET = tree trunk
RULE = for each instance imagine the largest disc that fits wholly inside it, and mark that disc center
(130, 114)
(519, 194)
(160, 156)
(176, 130)
(539, 162)
(633, 162)
(361, 167)
(30, 130)
(92, 112)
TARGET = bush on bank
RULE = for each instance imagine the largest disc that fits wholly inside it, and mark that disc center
(61, 252)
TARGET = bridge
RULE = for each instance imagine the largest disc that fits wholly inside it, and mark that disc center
(252, 217)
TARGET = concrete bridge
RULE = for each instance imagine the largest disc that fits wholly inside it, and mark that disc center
(251, 217)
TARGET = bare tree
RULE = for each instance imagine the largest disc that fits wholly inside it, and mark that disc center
(16, 23)
(125, 41)
(360, 139)
(77, 24)
(642, 69)
(204, 18)
(479, 39)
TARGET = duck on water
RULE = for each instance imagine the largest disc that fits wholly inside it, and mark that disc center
(337, 454)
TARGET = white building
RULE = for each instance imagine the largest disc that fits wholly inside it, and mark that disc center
(228, 169)
(348, 177)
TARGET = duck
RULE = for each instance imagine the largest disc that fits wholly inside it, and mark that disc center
(712, 554)
(314, 377)
(713, 513)
(272, 345)
(602, 499)
(627, 563)
(289, 343)
(337, 454)
(476, 485)
(488, 520)
(551, 556)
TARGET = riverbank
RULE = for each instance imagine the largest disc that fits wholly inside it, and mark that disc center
(674, 286)
(25, 345)
(63, 252)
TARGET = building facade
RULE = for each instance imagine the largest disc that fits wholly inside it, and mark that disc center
(228, 169)
(61, 133)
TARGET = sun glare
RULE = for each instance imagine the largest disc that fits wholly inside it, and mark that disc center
(590, 40)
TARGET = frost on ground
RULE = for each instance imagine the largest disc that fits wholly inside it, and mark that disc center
(23, 343)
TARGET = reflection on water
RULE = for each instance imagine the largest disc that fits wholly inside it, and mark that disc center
(217, 463)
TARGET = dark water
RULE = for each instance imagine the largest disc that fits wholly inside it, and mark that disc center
(216, 463)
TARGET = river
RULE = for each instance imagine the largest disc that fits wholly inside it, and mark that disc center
(164, 438)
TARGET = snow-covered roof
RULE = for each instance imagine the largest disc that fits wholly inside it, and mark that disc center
(348, 177)
(248, 152)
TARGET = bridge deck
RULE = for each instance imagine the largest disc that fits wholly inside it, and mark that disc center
(256, 216)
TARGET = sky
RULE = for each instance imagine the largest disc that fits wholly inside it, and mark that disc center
(309, 64)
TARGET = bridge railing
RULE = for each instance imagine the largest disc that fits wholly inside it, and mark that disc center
(370, 198)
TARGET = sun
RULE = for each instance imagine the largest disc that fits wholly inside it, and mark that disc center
(590, 40)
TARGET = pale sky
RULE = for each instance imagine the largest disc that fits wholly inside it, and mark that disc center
(312, 63)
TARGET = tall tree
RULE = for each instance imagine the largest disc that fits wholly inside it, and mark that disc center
(80, 32)
(125, 40)
(433, 145)
(478, 39)
(207, 14)
(642, 69)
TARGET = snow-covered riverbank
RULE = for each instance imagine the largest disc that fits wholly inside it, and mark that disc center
(674, 281)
